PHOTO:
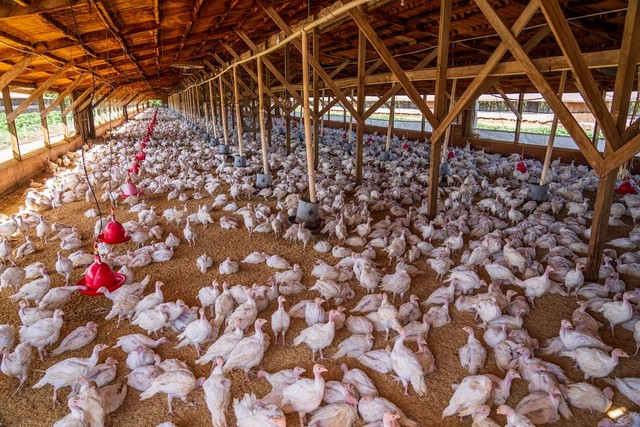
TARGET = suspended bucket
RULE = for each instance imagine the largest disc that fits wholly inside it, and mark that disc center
(99, 275)
(240, 161)
(521, 167)
(385, 156)
(538, 193)
(263, 180)
(114, 233)
(451, 154)
(135, 168)
(141, 156)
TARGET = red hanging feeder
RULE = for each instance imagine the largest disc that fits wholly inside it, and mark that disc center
(344, 135)
(451, 154)
(521, 167)
(406, 146)
(129, 189)
(113, 233)
(135, 168)
(100, 275)
(626, 187)
(141, 156)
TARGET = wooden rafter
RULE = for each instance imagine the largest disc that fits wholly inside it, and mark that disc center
(63, 95)
(15, 70)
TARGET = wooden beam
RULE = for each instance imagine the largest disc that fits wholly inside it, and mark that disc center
(440, 104)
(10, 10)
(397, 86)
(43, 123)
(621, 155)
(552, 135)
(516, 139)
(236, 95)
(600, 224)
(315, 64)
(362, 57)
(263, 138)
(566, 118)
(78, 100)
(223, 112)
(37, 92)
(63, 95)
(13, 133)
(16, 69)
(274, 70)
(507, 101)
(315, 39)
(339, 68)
(304, 47)
(386, 56)
(479, 82)
(585, 82)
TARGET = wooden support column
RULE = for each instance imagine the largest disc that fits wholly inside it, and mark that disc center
(544, 177)
(307, 118)
(362, 57)
(622, 89)
(13, 133)
(43, 123)
(236, 94)
(263, 137)
(392, 116)
(223, 113)
(269, 123)
(63, 119)
(516, 139)
(197, 99)
(452, 103)
(213, 111)
(316, 98)
(440, 104)
(287, 77)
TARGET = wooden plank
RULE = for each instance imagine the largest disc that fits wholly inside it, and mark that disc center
(566, 118)
(552, 134)
(392, 116)
(304, 47)
(516, 139)
(316, 99)
(213, 111)
(13, 133)
(505, 98)
(79, 99)
(440, 105)
(339, 68)
(600, 224)
(37, 92)
(477, 86)
(16, 69)
(276, 73)
(621, 155)
(9, 9)
(397, 86)
(223, 112)
(388, 59)
(585, 82)
(629, 52)
(236, 96)
(263, 138)
(63, 95)
(315, 64)
(362, 57)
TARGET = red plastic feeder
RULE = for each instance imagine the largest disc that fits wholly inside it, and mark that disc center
(344, 135)
(143, 145)
(626, 187)
(98, 275)
(113, 233)
(135, 168)
(521, 167)
(451, 154)
(141, 156)
(129, 189)
(406, 147)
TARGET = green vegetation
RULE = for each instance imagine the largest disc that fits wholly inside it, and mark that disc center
(155, 103)
(27, 124)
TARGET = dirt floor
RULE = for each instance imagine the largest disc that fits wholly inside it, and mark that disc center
(183, 280)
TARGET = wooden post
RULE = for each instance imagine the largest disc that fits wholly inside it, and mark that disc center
(287, 77)
(307, 119)
(13, 133)
(213, 111)
(516, 140)
(440, 104)
(236, 94)
(552, 136)
(265, 163)
(322, 118)
(269, 118)
(392, 116)
(197, 90)
(620, 110)
(422, 120)
(206, 117)
(63, 119)
(452, 103)
(350, 120)
(223, 113)
(316, 98)
(43, 122)
(362, 57)
(254, 113)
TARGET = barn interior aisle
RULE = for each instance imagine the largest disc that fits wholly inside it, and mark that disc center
(372, 213)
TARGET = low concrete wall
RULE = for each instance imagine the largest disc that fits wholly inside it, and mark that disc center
(16, 173)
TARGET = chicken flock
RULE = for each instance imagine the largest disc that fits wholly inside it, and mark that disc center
(494, 255)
